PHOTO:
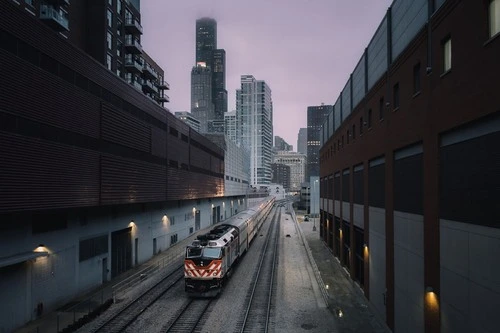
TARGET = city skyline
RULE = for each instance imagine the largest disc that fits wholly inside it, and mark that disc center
(267, 50)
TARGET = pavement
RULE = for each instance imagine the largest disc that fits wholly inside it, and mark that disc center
(344, 297)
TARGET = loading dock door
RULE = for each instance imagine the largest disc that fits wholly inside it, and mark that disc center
(121, 251)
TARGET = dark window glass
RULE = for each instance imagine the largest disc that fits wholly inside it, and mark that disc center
(94, 88)
(66, 73)
(49, 64)
(395, 96)
(416, 78)
(45, 222)
(381, 109)
(81, 81)
(28, 53)
(353, 131)
(8, 42)
(174, 132)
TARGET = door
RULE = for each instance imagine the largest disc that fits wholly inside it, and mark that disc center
(104, 270)
(197, 219)
(121, 251)
(154, 246)
(136, 251)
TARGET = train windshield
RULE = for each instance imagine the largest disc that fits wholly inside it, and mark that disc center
(193, 252)
(211, 252)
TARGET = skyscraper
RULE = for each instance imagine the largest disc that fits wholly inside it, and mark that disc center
(214, 61)
(202, 106)
(206, 39)
(316, 116)
(302, 141)
(254, 112)
(281, 144)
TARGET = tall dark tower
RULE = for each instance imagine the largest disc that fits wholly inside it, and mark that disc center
(215, 60)
(206, 40)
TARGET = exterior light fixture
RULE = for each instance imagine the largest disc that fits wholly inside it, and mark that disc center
(429, 290)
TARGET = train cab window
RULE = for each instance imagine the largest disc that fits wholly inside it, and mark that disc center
(193, 252)
(212, 252)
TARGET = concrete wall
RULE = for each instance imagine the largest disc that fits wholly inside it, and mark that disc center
(408, 272)
(59, 277)
(470, 277)
(377, 255)
(358, 215)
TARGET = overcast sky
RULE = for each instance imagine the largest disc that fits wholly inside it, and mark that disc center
(305, 50)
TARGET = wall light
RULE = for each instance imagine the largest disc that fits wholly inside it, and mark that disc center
(429, 290)
(365, 245)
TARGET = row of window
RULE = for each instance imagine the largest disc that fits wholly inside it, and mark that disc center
(446, 45)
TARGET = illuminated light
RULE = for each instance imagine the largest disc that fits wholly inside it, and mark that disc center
(201, 64)
(132, 224)
(40, 248)
(431, 300)
(327, 287)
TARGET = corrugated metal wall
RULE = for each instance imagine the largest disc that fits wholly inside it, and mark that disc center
(73, 134)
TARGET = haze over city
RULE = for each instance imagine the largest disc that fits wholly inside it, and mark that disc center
(304, 50)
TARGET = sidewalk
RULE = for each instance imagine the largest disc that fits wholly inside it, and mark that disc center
(345, 298)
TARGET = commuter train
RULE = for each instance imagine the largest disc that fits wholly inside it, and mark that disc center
(209, 259)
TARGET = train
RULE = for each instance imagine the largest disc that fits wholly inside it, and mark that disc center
(210, 258)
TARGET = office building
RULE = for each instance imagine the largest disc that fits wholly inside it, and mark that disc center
(281, 144)
(281, 175)
(231, 126)
(302, 141)
(316, 116)
(409, 168)
(297, 163)
(254, 113)
(202, 106)
(189, 119)
(213, 62)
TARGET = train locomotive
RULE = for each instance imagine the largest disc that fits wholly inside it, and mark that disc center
(209, 259)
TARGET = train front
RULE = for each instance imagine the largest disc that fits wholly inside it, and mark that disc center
(203, 272)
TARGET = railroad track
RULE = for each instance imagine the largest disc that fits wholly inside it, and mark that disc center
(189, 316)
(130, 312)
(258, 312)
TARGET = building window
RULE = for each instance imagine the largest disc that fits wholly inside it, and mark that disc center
(416, 78)
(109, 18)
(370, 118)
(119, 7)
(119, 49)
(494, 17)
(108, 61)
(395, 96)
(109, 40)
(361, 126)
(447, 55)
(381, 109)
(353, 131)
(110, 3)
(30, 2)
